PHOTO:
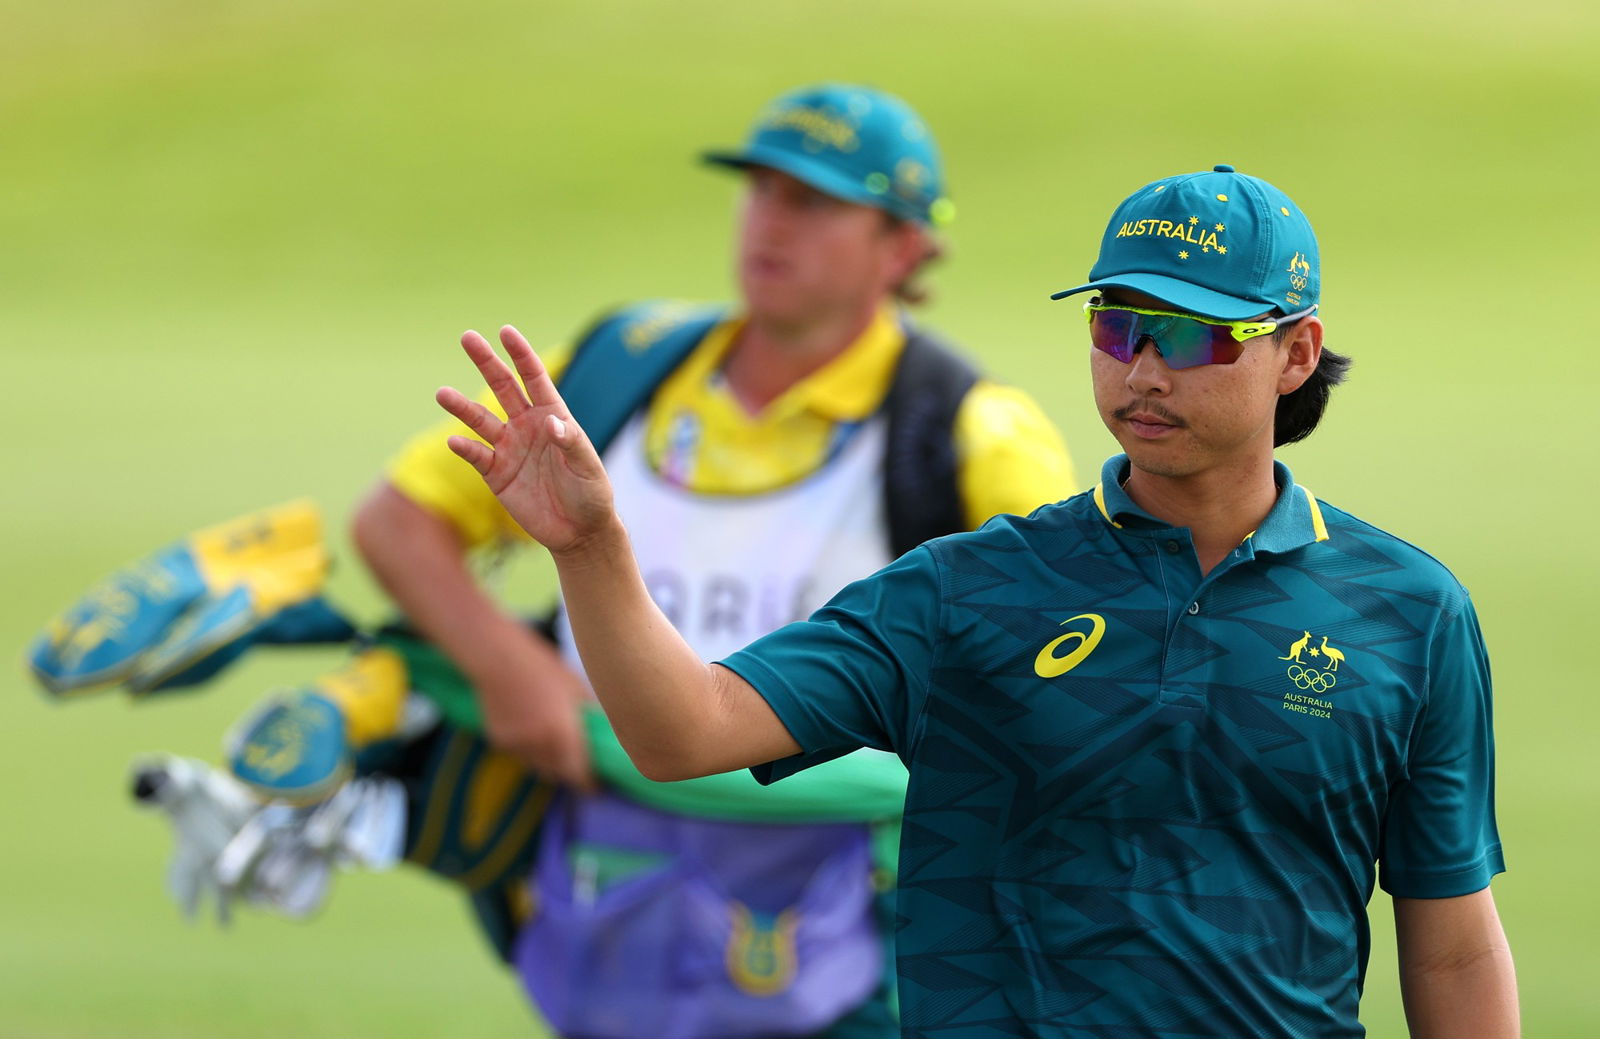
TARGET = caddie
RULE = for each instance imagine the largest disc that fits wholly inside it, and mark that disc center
(1163, 737)
(767, 453)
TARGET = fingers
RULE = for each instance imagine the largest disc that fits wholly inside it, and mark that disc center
(535, 377)
(473, 415)
(523, 403)
(475, 453)
(495, 374)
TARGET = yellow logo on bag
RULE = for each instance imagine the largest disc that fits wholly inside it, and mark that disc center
(1078, 643)
(761, 957)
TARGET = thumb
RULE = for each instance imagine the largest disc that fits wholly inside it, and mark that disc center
(575, 446)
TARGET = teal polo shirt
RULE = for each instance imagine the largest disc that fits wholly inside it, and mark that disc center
(1145, 801)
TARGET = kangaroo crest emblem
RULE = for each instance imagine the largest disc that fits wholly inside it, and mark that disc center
(1314, 668)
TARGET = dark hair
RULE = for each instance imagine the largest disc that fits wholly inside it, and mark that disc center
(1300, 411)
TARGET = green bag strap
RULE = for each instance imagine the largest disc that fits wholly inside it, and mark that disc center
(853, 788)
(864, 787)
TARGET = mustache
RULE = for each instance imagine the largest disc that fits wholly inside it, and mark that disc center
(1147, 407)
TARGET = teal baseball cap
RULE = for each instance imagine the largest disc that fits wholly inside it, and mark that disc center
(853, 143)
(1218, 243)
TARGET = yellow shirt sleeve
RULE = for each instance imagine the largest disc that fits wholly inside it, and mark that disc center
(430, 474)
(1010, 457)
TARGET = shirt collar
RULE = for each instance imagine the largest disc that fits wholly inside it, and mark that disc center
(848, 388)
(1295, 518)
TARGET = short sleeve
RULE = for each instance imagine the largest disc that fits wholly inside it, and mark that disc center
(856, 673)
(426, 471)
(1011, 458)
(1440, 839)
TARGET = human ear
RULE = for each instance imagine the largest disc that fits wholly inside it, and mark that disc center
(1302, 352)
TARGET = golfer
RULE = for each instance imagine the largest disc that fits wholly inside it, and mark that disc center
(1163, 737)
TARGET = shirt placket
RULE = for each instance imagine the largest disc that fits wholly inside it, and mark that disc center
(1178, 575)
(1186, 592)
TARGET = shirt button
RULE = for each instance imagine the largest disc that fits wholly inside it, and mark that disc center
(1194, 608)
(1172, 548)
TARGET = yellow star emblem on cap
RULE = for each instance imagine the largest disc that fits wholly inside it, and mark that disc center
(1194, 220)
(1183, 254)
(1223, 249)
(1221, 228)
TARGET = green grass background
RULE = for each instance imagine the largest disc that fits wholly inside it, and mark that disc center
(238, 241)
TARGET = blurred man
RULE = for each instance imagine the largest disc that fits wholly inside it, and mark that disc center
(1159, 734)
(765, 455)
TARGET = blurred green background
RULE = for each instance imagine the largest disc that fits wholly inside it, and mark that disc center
(240, 240)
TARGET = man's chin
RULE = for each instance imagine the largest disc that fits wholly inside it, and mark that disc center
(1156, 458)
(774, 307)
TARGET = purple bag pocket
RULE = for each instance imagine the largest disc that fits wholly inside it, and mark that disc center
(649, 923)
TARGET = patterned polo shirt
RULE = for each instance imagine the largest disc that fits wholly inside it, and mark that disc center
(1145, 801)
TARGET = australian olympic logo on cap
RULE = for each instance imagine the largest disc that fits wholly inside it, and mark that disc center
(1299, 274)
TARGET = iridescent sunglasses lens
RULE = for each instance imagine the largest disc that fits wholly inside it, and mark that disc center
(1182, 341)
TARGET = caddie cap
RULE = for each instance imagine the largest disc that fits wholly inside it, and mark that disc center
(854, 143)
(1219, 244)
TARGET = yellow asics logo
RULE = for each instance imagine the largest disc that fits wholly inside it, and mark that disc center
(1080, 643)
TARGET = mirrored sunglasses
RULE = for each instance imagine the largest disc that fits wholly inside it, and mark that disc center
(1184, 340)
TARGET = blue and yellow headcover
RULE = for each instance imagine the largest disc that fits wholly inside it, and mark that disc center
(180, 615)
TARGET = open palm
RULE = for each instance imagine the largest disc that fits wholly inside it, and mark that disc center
(537, 461)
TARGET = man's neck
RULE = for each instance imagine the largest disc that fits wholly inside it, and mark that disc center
(1221, 507)
(768, 357)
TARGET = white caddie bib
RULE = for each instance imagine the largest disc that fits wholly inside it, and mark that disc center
(727, 569)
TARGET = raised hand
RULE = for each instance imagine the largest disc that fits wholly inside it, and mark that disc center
(537, 462)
